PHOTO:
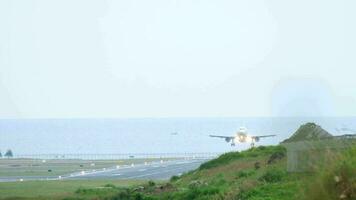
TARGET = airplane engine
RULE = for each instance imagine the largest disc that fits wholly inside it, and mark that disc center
(257, 139)
(227, 139)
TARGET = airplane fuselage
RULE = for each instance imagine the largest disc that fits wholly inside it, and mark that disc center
(241, 137)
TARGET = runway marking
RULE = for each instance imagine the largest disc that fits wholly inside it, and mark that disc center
(154, 173)
(169, 166)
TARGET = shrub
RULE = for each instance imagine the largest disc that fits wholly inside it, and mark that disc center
(200, 193)
(138, 196)
(174, 178)
(151, 183)
(109, 185)
(337, 180)
(85, 191)
(221, 160)
(245, 173)
(278, 155)
(232, 156)
(273, 175)
(257, 165)
(124, 194)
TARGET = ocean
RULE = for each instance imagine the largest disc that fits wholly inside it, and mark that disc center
(148, 135)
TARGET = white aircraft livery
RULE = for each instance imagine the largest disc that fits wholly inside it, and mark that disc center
(242, 137)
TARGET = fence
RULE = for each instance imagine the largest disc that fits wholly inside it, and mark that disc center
(118, 156)
(308, 155)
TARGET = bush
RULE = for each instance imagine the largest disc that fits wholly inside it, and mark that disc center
(337, 180)
(174, 178)
(199, 193)
(245, 173)
(85, 191)
(232, 156)
(221, 160)
(123, 195)
(109, 185)
(257, 165)
(276, 156)
(151, 183)
(273, 175)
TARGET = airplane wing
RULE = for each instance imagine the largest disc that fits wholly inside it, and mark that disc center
(263, 136)
(227, 138)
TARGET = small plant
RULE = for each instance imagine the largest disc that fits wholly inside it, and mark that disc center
(223, 159)
(123, 194)
(257, 165)
(276, 156)
(151, 183)
(273, 175)
(109, 185)
(174, 178)
(337, 180)
(245, 173)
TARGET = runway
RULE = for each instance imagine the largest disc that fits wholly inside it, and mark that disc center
(154, 170)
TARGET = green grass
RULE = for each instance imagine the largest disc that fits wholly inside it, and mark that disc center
(55, 189)
(233, 156)
(255, 174)
(36, 167)
(233, 175)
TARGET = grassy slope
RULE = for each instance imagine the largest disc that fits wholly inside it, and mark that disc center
(254, 174)
(230, 176)
(245, 175)
(235, 176)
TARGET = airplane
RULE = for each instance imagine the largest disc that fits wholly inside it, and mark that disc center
(242, 137)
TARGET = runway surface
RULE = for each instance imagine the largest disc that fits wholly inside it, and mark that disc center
(155, 170)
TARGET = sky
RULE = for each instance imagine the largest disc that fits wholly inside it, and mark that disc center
(177, 58)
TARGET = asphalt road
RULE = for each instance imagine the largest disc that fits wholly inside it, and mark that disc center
(154, 170)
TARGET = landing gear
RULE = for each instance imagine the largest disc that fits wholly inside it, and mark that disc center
(232, 144)
(252, 144)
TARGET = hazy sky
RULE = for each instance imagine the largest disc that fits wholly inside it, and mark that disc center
(174, 58)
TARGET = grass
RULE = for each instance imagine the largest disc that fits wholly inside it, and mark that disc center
(231, 176)
(56, 167)
(255, 174)
(233, 156)
(55, 189)
(337, 180)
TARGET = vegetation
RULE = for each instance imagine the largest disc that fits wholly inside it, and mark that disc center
(9, 154)
(337, 180)
(308, 131)
(233, 156)
(58, 167)
(58, 190)
(235, 176)
(256, 174)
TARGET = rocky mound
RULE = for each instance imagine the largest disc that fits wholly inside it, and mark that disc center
(308, 131)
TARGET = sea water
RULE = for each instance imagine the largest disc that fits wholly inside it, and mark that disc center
(146, 135)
